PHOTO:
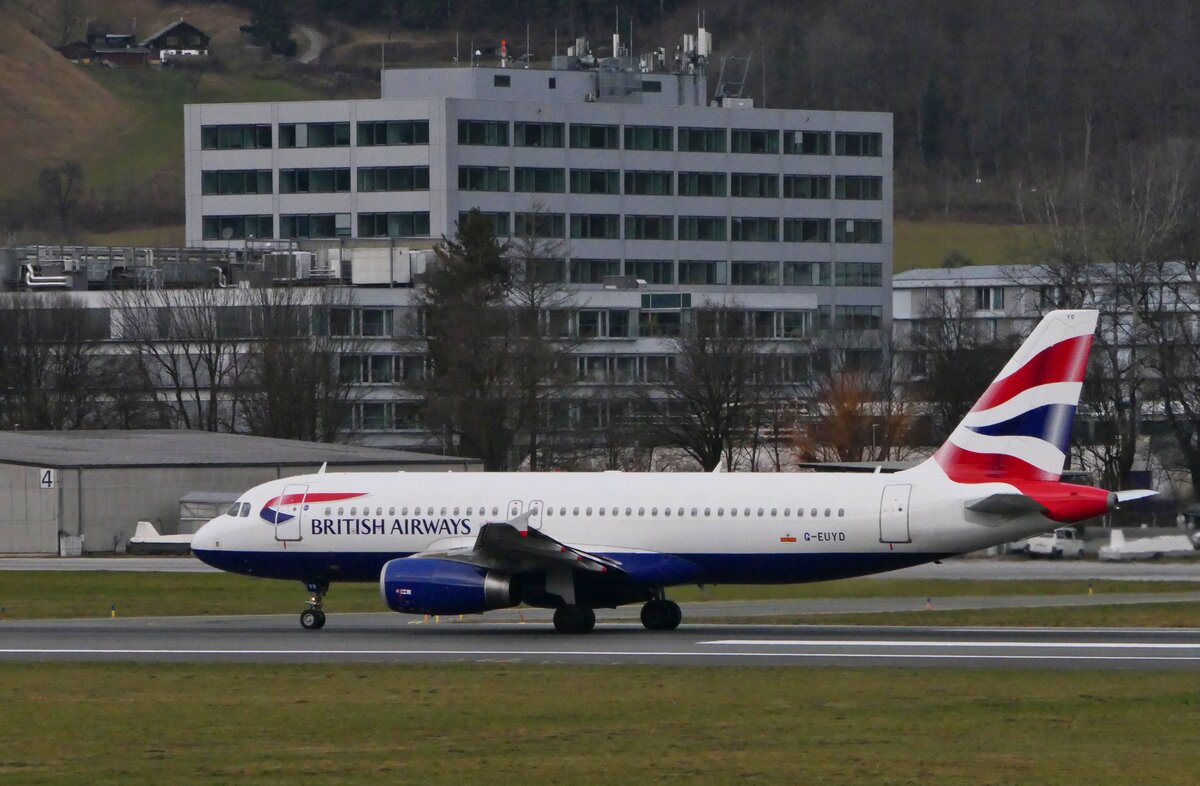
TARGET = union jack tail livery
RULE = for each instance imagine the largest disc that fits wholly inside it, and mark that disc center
(1020, 429)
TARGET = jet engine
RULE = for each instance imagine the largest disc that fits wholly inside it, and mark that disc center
(417, 585)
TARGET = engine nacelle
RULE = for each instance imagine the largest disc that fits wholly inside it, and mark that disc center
(417, 585)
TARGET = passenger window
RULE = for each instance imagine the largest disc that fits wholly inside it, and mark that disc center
(720, 511)
(708, 511)
(378, 511)
(680, 511)
(747, 511)
(694, 512)
(666, 511)
(574, 511)
(826, 512)
(841, 512)
(589, 511)
(641, 511)
(549, 511)
(814, 513)
(787, 512)
(653, 511)
(760, 512)
(328, 511)
(456, 511)
(773, 511)
(341, 510)
(733, 512)
(353, 511)
(391, 511)
(495, 511)
(469, 511)
(443, 511)
(628, 511)
(601, 511)
(403, 511)
(800, 512)
(562, 511)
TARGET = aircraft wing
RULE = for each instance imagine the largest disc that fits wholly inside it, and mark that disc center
(515, 546)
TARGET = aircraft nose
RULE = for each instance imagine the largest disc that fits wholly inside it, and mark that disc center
(208, 537)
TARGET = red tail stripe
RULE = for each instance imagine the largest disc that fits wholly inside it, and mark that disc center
(1065, 361)
(966, 466)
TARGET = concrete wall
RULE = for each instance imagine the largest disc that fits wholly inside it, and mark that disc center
(28, 513)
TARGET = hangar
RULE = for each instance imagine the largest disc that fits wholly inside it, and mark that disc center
(62, 489)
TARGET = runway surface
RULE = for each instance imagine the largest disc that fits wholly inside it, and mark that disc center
(391, 638)
(1006, 569)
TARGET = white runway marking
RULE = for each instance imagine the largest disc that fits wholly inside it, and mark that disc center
(1099, 645)
(550, 654)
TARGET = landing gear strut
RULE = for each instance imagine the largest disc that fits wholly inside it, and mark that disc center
(313, 618)
(570, 618)
(661, 614)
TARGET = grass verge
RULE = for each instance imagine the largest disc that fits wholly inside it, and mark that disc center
(453, 724)
(53, 594)
(1125, 615)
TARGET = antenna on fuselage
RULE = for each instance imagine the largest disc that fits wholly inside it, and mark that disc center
(321, 471)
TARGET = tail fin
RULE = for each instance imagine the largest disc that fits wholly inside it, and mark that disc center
(1021, 428)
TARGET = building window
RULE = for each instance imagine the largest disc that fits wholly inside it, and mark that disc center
(595, 137)
(859, 274)
(236, 181)
(655, 368)
(751, 140)
(593, 271)
(538, 134)
(393, 178)
(501, 80)
(539, 180)
(651, 86)
(649, 227)
(652, 271)
(648, 183)
(859, 144)
(702, 140)
(753, 185)
(553, 83)
(806, 186)
(661, 315)
(1052, 296)
(314, 181)
(499, 221)
(648, 137)
(483, 178)
(595, 181)
(393, 132)
(698, 271)
(806, 230)
(702, 184)
(414, 224)
(314, 135)
(238, 227)
(701, 227)
(857, 230)
(754, 228)
(604, 323)
(595, 226)
(483, 132)
(247, 137)
(539, 225)
(859, 187)
(754, 273)
(806, 274)
(858, 317)
(989, 298)
(806, 143)
(314, 225)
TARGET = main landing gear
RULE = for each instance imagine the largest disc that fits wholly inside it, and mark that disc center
(313, 618)
(661, 614)
(570, 618)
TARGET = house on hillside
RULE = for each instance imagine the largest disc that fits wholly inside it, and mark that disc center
(178, 39)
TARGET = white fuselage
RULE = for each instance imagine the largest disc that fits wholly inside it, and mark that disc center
(740, 527)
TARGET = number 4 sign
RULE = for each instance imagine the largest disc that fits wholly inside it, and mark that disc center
(47, 478)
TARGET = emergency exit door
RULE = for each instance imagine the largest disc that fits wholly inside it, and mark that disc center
(893, 514)
(289, 512)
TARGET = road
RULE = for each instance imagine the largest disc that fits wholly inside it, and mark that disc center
(388, 638)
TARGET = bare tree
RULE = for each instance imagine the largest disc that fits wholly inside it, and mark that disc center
(61, 187)
(191, 345)
(707, 406)
(290, 385)
(52, 375)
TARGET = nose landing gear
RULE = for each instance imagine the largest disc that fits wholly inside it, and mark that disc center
(313, 618)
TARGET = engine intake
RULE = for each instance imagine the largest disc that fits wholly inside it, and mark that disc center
(416, 585)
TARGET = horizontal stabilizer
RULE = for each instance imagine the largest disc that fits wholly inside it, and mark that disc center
(1129, 495)
(1007, 505)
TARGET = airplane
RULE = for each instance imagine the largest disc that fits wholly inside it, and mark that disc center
(470, 542)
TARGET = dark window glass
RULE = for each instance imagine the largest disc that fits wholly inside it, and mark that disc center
(595, 136)
(539, 180)
(702, 140)
(806, 186)
(750, 140)
(648, 137)
(859, 144)
(806, 230)
(806, 143)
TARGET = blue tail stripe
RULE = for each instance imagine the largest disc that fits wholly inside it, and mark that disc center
(1051, 423)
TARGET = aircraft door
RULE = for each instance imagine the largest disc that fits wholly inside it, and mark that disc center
(893, 514)
(289, 512)
(535, 514)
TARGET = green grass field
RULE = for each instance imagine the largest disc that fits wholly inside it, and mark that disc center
(84, 594)
(457, 724)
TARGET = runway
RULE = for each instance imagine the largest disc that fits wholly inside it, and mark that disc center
(390, 638)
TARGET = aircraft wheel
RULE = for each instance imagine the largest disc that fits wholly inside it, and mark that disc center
(661, 615)
(574, 619)
(312, 619)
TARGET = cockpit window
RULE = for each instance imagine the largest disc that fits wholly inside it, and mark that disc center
(245, 509)
(233, 509)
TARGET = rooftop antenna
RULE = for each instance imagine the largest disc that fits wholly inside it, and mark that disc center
(456, 60)
(527, 55)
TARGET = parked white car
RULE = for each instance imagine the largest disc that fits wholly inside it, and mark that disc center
(1062, 542)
